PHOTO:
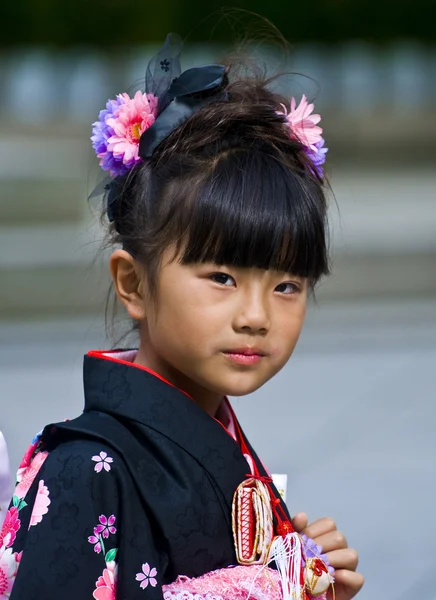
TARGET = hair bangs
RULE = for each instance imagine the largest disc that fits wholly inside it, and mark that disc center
(252, 211)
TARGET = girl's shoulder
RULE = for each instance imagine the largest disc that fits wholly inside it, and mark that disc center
(63, 518)
(77, 477)
(79, 464)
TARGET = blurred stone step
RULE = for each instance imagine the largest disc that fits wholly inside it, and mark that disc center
(375, 275)
(44, 292)
(39, 202)
(44, 179)
(44, 245)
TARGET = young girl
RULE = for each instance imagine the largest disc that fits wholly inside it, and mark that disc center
(216, 205)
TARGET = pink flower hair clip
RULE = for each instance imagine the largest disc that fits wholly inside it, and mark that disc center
(304, 127)
(116, 134)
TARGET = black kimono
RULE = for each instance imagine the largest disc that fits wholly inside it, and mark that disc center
(123, 499)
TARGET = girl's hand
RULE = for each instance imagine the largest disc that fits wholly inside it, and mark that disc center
(333, 543)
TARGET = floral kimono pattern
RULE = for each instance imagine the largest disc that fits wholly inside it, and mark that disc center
(40, 503)
(52, 504)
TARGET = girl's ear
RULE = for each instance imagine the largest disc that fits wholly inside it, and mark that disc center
(128, 278)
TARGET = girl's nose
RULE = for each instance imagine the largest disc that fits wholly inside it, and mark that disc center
(252, 315)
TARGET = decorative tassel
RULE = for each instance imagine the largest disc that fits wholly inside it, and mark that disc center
(253, 528)
(286, 552)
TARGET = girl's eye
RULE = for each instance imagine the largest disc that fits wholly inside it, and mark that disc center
(287, 288)
(222, 279)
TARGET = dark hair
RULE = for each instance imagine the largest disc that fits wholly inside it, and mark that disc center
(228, 186)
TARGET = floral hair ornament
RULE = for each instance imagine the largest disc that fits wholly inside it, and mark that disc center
(304, 127)
(129, 128)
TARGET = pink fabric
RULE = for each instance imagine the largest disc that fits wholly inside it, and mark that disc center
(235, 583)
(127, 355)
(42, 502)
(11, 526)
(224, 416)
(26, 475)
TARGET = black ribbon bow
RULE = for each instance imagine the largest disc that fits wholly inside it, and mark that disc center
(179, 95)
(190, 91)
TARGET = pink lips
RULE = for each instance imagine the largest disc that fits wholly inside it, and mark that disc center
(245, 356)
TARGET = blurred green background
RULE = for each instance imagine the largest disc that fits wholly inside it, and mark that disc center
(106, 23)
(355, 409)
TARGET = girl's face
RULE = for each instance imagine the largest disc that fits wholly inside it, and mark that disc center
(215, 330)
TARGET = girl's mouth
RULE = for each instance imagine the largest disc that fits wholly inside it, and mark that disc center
(245, 356)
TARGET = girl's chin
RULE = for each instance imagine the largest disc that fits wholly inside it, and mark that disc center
(246, 381)
(241, 388)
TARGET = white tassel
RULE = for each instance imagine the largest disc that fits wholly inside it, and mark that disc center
(286, 551)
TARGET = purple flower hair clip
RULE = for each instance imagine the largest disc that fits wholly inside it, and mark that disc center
(116, 134)
(304, 126)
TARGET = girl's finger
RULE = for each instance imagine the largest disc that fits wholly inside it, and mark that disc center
(300, 521)
(344, 559)
(320, 527)
(347, 584)
(334, 540)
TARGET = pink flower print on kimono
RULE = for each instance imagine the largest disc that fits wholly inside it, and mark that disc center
(9, 563)
(10, 528)
(103, 462)
(94, 539)
(102, 530)
(28, 471)
(106, 583)
(41, 504)
(147, 576)
(105, 526)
